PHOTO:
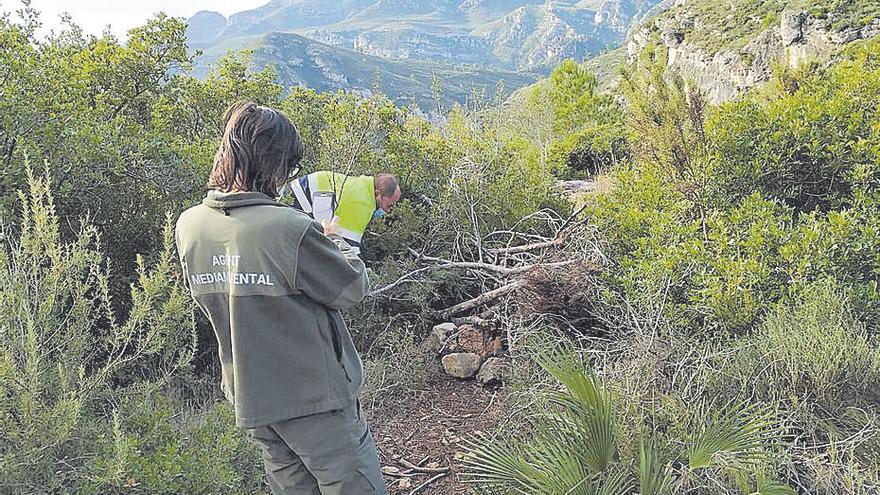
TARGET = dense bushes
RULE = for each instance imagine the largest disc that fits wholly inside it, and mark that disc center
(815, 350)
(735, 228)
(85, 393)
(127, 134)
(743, 245)
(812, 149)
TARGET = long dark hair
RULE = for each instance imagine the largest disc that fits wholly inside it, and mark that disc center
(259, 150)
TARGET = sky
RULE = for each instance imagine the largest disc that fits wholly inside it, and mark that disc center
(94, 15)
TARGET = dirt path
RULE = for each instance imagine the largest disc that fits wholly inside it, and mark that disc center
(428, 429)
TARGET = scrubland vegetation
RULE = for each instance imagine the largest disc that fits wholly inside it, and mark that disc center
(727, 344)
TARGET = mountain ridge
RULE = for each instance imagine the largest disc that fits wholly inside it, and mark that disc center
(524, 35)
(332, 45)
(300, 61)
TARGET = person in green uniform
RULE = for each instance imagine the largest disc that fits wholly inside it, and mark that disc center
(272, 281)
(357, 200)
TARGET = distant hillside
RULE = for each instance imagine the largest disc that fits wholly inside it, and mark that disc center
(523, 35)
(304, 62)
(728, 47)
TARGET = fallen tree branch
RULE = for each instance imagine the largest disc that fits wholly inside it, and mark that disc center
(402, 279)
(561, 236)
(479, 265)
(527, 247)
(469, 265)
(471, 320)
(569, 219)
(423, 485)
(481, 299)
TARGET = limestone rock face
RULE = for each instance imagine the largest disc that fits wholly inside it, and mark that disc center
(461, 364)
(791, 27)
(725, 73)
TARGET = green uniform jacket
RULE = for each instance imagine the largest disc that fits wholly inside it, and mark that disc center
(271, 283)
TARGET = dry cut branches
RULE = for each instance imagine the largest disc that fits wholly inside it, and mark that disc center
(514, 264)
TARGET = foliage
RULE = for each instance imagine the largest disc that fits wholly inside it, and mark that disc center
(127, 133)
(64, 348)
(573, 445)
(590, 151)
(573, 95)
(722, 243)
(159, 444)
(812, 149)
(816, 350)
(666, 117)
(743, 241)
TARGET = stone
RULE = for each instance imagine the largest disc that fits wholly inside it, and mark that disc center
(404, 484)
(791, 27)
(472, 339)
(671, 38)
(436, 340)
(390, 469)
(492, 371)
(461, 364)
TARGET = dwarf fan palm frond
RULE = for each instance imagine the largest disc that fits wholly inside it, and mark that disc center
(570, 451)
(654, 478)
(734, 433)
(573, 447)
(585, 405)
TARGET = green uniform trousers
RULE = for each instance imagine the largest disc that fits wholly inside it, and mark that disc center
(331, 453)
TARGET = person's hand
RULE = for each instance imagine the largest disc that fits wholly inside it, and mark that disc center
(331, 226)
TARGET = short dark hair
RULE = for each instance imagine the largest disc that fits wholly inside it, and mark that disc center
(259, 150)
(386, 184)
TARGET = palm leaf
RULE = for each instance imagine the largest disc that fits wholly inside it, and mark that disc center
(495, 464)
(735, 433)
(654, 478)
(585, 409)
(766, 486)
(558, 457)
(618, 483)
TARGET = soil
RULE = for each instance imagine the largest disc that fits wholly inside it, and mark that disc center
(428, 430)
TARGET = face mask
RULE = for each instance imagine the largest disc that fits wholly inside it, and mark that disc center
(379, 213)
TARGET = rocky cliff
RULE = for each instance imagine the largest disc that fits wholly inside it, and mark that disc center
(726, 64)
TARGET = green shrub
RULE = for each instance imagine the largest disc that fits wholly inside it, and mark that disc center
(159, 444)
(64, 351)
(814, 351)
(810, 149)
(589, 151)
(728, 218)
(127, 131)
(574, 446)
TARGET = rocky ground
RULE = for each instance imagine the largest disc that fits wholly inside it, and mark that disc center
(420, 440)
(428, 431)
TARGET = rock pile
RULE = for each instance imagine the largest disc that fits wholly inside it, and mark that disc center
(467, 351)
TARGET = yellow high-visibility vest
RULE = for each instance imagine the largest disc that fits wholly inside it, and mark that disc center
(355, 199)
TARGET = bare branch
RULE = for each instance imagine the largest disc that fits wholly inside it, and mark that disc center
(528, 247)
(481, 299)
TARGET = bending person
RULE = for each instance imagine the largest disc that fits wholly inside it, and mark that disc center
(356, 200)
(272, 284)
